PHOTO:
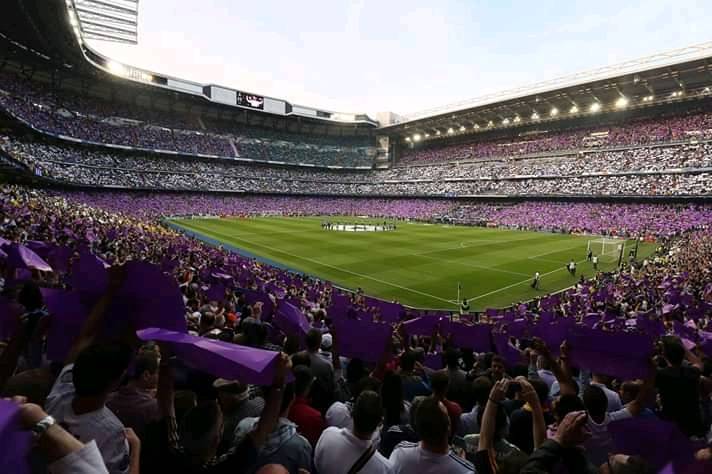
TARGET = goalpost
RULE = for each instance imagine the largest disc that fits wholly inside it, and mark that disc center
(608, 250)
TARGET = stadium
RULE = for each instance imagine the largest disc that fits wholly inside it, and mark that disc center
(198, 278)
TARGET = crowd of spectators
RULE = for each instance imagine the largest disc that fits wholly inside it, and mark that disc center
(94, 120)
(502, 391)
(697, 126)
(670, 170)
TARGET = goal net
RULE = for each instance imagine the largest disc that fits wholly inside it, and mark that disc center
(607, 250)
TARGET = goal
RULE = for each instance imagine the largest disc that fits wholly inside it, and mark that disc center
(607, 250)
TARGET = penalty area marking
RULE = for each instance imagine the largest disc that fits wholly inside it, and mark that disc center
(520, 283)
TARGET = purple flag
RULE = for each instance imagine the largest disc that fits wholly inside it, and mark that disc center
(16, 441)
(476, 337)
(252, 297)
(363, 340)
(221, 359)
(434, 361)
(68, 311)
(510, 353)
(426, 325)
(290, 319)
(58, 258)
(19, 256)
(658, 442)
(89, 274)
(622, 355)
(9, 312)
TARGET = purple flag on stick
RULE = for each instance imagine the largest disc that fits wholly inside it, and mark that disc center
(221, 359)
(434, 361)
(19, 256)
(476, 337)
(252, 297)
(16, 442)
(359, 339)
(290, 319)
(622, 355)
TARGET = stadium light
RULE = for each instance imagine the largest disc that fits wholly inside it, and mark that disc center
(535, 116)
(116, 68)
(450, 131)
(417, 137)
(706, 90)
(462, 128)
(622, 102)
(427, 135)
(517, 119)
(476, 127)
(573, 109)
(490, 124)
(407, 139)
(595, 107)
(554, 112)
(505, 121)
(648, 98)
(437, 132)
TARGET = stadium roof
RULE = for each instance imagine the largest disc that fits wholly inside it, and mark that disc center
(672, 76)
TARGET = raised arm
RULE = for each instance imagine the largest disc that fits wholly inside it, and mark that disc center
(17, 344)
(270, 414)
(529, 395)
(636, 405)
(489, 417)
(91, 326)
(560, 368)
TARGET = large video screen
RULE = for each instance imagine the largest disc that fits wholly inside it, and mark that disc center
(250, 100)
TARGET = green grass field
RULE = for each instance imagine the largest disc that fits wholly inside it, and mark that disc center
(419, 265)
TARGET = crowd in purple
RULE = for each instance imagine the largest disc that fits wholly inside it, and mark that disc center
(154, 352)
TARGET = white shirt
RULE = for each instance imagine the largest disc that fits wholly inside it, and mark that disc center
(338, 449)
(87, 460)
(410, 458)
(101, 425)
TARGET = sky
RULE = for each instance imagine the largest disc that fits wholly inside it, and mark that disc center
(400, 56)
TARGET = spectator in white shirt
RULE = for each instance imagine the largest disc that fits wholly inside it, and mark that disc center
(432, 455)
(614, 400)
(344, 450)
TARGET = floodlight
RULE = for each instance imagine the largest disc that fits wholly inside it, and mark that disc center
(622, 102)
(462, 128)
(595, 107)
(417, 137)
(573, 109)
(437, 132)
(554, 112)
(427, 135)
(505, 121)
(535, 116)
(450, 131)
(517, 119)
(476, 127)
(116, 68)
(490, 124)
(407, 139)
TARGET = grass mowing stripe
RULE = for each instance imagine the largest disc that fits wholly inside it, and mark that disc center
(336, 268)
(491, 264)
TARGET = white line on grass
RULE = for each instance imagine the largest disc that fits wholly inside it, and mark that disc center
(521, 282)
(472, 265)
(270, 247)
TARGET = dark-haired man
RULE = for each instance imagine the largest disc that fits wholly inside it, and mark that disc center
(432, 455)
(343, 450)
(134, 403)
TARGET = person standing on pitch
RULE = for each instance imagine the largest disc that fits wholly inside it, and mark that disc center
(572, 267)
(594, 261)
(535, 282)
(589, 255)
(464, 307)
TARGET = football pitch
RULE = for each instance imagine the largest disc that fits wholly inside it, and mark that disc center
(418, 264)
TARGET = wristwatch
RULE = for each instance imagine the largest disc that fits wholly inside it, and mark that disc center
(42, 426)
